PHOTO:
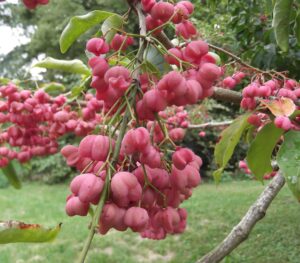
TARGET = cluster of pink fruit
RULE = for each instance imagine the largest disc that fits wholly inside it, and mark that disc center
(110, 83)
(144, 192)
(161, 12)
(145, 188)
(174, 88)
(32, 4)
(35, 122)
(177, 88)
(231, 81)
(202, 70)
(272, 89)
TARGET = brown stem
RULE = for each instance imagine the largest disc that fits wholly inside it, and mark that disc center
(227, 95)
(237, 59)
(242, 230)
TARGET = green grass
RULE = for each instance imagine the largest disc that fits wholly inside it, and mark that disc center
(212, 213)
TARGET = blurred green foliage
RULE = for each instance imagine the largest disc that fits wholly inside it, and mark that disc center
(50, 170)
(245, 28)
(44, 26)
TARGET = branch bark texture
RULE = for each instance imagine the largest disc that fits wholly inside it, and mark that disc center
(242, 230)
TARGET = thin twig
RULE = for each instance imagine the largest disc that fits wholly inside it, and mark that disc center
(237, 59)
(209, 124)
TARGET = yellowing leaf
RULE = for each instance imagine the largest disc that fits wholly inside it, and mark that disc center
(280, 107)
(15, 232)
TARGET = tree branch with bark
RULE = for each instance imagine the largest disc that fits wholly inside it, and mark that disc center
(243, 229)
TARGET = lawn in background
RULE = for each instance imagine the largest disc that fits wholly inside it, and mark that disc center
(213, 211)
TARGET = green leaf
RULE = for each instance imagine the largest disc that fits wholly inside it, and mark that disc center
(120, 60)
(297, 28)
(154, 56)
(288, 159)
(10, 172)
(54, 88)
(250, 134)
(229, 140)
(114, 21)
(78, 25)
(75, 66)
(77, 90)
(260, 151)
(16, 232)
(281, 22)
(150, 68)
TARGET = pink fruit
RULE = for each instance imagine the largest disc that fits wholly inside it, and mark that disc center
(97, 46)
(120, 42)
(254, 120)
(229, 82)
(95, 147)
(99, 66)
(162, 11)
(209, 71)
(152, 24)
(147, 5)
(75, 207)
(177, 134)
(118, 77)
(151, 157)
(185, 179)
(87, 187)
(154, 100)
(173, 57)
(186, 29)
(137, 140)
(195, 50)
(283, 122)
(125, 189)
(182, 157)
(112, 216)
(202, 134)
(188, 5)
(136, 218)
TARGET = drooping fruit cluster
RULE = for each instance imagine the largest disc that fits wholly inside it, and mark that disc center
(272, 90)
(110, 83)
(32, 4)
(34, 122)
(145, 191)
(174, 88)
(145, 185)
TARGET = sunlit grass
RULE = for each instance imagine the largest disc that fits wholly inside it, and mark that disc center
(212, 213)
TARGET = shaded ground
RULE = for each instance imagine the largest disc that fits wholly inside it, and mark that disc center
(212, 213)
